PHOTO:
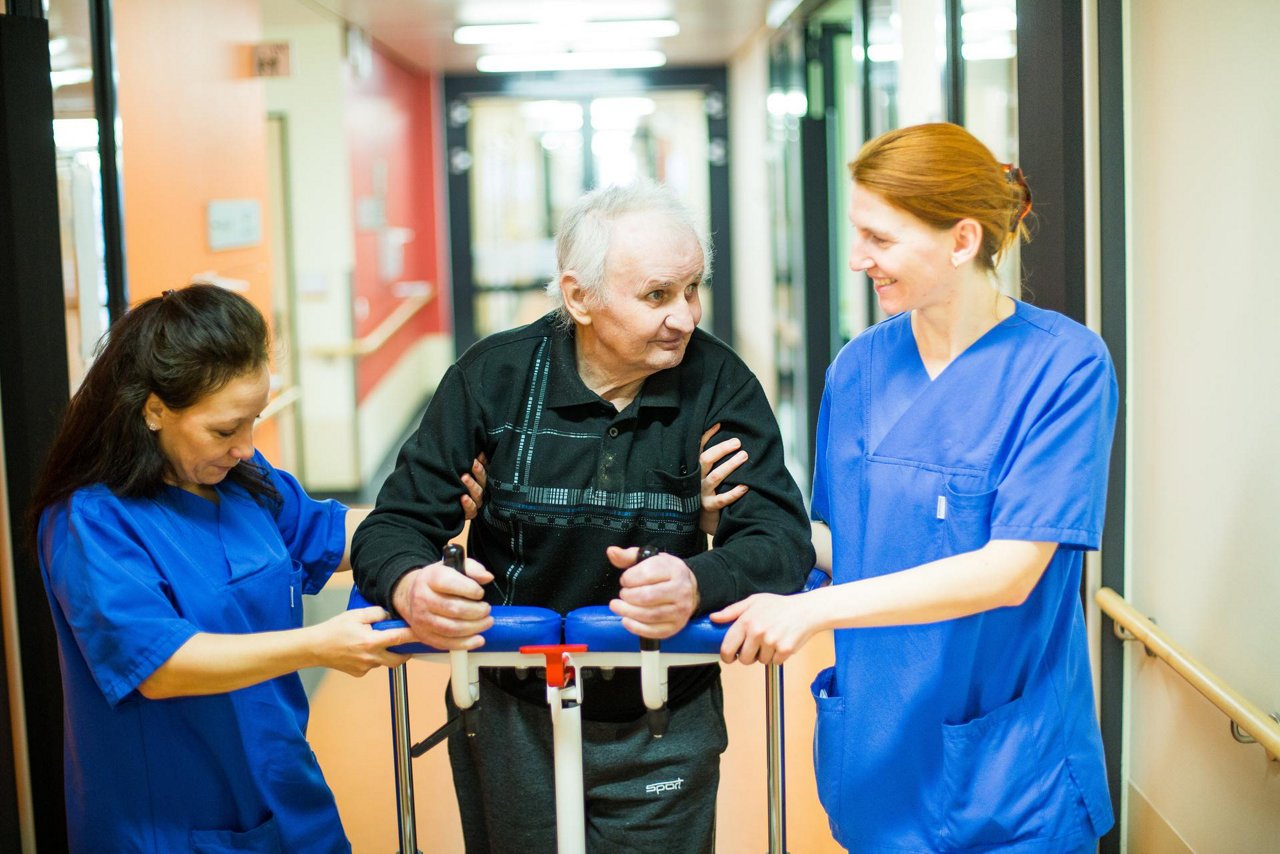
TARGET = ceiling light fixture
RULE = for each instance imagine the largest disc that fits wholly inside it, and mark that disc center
(563, 31)
(70, 77)
(570, 61)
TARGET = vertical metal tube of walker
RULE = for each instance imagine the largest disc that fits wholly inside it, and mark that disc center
(403, 761)
(776, 757)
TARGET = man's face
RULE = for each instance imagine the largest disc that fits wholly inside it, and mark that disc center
(650, 303)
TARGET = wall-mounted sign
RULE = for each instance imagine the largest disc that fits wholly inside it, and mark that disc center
(234, 223)
(271, 59)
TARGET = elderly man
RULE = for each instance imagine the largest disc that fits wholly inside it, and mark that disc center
(590, 421)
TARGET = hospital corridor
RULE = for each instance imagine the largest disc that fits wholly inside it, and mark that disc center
(718, 426)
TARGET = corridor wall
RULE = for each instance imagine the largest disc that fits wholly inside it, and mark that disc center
(1203, 416)
(192, 132)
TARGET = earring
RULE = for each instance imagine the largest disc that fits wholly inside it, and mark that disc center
(153, 426)
(955, 262)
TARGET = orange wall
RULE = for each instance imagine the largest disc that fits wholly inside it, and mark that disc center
(193, 130)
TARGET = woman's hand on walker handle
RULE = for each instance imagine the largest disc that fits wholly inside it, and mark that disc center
(712, 476)
(767, 628)
(444, 608)
(349, 642)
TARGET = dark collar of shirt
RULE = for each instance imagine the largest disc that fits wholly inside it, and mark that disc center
(567, 388)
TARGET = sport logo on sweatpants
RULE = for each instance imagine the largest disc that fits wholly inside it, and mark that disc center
(666, 786)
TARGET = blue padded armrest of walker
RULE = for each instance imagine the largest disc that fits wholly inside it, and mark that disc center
(817, 578)
(602, 631)
(514, 626)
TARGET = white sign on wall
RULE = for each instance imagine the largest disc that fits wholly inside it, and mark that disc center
(271, 59)
(234, 223)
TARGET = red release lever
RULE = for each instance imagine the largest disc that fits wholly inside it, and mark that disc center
(557, 655)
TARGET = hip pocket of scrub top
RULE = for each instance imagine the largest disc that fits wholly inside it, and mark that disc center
(966, 517)
(828, 741)
(999, 782)
(263, 839)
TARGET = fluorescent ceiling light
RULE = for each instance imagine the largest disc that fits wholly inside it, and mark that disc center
(778, 12)
(572, 61)
(990, 49)
(70, 77)
(75, 134)
(507, 11)
(575, 31)
(884, 52)
(997, 20)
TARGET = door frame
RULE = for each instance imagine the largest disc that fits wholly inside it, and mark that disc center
(460, 89)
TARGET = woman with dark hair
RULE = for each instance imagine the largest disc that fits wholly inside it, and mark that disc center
(960, 475)
(175, 558)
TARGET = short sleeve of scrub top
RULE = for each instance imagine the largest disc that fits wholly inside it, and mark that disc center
(820, 507)
(1054, 487)
(113, 596)
(314, 532)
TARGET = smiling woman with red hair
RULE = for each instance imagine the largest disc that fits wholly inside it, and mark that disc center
(961, 467)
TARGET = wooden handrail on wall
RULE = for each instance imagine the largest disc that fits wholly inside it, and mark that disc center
(286, 398)
(1249, 724)
(367, 344)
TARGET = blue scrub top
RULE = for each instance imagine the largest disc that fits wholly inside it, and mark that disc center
(974, 734)
(129, 581)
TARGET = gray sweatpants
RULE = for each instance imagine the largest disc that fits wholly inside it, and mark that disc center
(644, 795)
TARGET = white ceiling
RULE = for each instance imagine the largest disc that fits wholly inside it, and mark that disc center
(421, 31)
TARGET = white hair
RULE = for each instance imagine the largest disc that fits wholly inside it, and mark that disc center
(586, 230)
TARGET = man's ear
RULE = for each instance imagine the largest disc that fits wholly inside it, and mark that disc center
(577, 300)
(966, 236)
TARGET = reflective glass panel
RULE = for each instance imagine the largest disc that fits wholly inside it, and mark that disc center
(75, 134)
(989, 35)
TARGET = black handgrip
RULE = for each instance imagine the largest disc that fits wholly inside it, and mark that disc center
(455, 557)
(646, 552)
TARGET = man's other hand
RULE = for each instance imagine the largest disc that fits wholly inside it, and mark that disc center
(658, 595)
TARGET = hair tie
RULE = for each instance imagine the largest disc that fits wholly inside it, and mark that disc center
(1014, 175)
(168, 293)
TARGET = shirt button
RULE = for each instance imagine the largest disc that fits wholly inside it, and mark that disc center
(613, 432)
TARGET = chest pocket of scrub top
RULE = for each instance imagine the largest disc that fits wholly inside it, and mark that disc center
(966, 516)
(270, 598)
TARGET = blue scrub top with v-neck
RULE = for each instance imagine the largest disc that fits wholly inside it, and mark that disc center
(979, 733)
(129, 581)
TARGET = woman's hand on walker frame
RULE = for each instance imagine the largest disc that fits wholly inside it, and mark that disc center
(474, 483)
(349, 642)
(712, 476)
(767, 628)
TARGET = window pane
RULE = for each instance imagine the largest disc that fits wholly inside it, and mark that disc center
(75, 133)
(989, 36)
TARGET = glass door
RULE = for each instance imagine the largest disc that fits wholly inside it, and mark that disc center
(518, 160)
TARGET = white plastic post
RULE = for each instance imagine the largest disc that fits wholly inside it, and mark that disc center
(566, 728)
(464, 680)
